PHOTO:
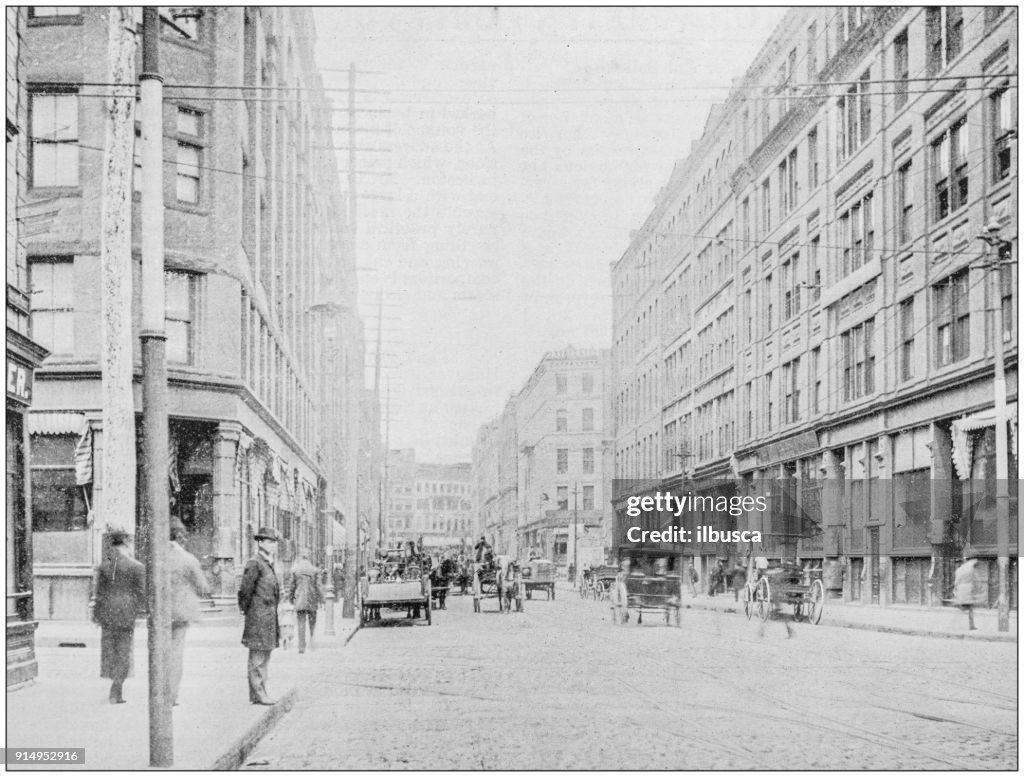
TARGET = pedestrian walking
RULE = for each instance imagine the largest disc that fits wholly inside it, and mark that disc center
(692, 579)
(258, 597)
(738, 580)
(970, 586)
(120, 598)
(305, 593)
(188, 585)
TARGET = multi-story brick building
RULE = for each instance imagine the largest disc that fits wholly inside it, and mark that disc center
(430, 504)
(827, 320)
(24, 355)
(557, 500)
(264, 345)
(496, 479)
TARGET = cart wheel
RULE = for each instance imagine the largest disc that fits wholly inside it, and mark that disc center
(748, 600)
(816, 602)
(763, 596)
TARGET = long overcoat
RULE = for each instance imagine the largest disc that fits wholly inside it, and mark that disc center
(120, 592)
(258, 597)
(188, 583)
(304, 592)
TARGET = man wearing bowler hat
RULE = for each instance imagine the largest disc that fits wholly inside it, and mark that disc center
(258, 598)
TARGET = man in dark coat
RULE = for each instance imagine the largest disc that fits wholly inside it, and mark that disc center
(120, 597)
(305, 594)
(258, 597)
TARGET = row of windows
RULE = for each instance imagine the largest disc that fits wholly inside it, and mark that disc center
(442, 488)
(452, 526)
(177, 23)
(777, 397)
(778, 194)
(638, 398)
(582, 499)
(562, 461)
(272, 376)
(586, 383)
(586, 420)
(53, 292)
(54, 146)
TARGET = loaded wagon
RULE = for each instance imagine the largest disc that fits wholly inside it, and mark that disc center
(395, 582)
(539, 574)
(785, 583)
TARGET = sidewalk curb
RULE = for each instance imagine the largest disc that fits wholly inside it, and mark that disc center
(239, 751)
(904, 631)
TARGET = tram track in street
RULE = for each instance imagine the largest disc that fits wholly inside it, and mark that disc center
(821, 721)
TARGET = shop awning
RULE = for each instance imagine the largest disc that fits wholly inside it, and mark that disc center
(963, 452)
(51, 422)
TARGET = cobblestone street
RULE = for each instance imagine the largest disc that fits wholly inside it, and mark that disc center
(560, 687)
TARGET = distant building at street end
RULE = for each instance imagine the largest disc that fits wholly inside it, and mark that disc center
(429, 504)
(808, 312)
(556, 426)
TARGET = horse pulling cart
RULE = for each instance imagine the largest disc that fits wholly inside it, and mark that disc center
(785, 583)
(499, 578)
(598, 583)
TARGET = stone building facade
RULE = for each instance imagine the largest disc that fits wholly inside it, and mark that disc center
(264, 344)
(553, 432)
(429, 504)
(807, 313)
(24, 356)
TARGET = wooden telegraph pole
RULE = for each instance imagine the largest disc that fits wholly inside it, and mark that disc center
(118, 472)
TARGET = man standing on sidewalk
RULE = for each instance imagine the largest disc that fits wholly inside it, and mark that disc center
(258, 597)
(305, 594)
(120, 597)
(188, 584)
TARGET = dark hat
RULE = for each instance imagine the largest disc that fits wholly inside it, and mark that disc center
(118, 536)
(266, 533)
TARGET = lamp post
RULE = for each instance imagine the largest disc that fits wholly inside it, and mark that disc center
(575, 528)
(1004, 248)
(329, 592)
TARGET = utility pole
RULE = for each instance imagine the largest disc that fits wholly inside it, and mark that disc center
(576, 528)
(352, 156)
(154, 395)
(1004, 255)
(118, 472)
(385, 538)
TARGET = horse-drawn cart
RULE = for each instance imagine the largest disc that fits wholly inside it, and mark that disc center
(539, 574)
(395, 582)
(645, 593)
(500, 578)
(785, 583)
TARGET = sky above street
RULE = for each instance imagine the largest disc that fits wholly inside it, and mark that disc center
(523, 145)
